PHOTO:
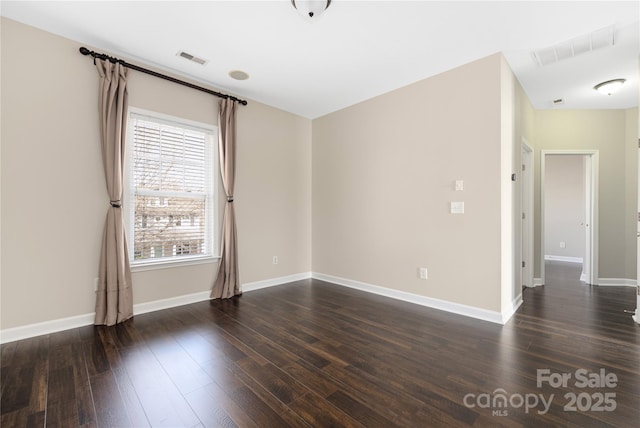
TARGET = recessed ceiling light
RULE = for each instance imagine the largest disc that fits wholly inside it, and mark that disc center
(610, 86)
(238, 75)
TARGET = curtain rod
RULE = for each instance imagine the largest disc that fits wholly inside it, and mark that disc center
(85, 51)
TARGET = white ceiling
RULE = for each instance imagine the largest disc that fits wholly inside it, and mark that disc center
(357, 49)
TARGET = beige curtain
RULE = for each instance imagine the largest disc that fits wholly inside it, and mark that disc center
(114, 301)
(227, 283)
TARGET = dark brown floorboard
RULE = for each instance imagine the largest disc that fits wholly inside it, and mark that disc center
(313, 354)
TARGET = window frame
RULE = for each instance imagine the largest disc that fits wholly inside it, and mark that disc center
(211, 207)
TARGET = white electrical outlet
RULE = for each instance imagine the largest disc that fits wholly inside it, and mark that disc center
(563, 244)
(275, 260)
(95, 284)
(423, 273)
(457, 208)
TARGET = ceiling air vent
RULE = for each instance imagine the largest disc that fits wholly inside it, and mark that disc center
(193, 58)
(598, 39)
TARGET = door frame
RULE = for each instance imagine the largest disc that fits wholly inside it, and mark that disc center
(591, 171)
(526, 208)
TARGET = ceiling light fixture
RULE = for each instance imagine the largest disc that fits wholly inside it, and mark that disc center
(311, 9)
(610, 86)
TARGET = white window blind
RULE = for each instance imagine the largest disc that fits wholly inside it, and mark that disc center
(171, 190)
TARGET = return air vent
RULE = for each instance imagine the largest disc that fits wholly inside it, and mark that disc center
(193, 58)
(598, 39)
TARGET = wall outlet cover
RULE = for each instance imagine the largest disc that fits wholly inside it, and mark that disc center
(457, 207)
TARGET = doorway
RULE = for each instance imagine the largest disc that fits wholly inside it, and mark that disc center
(585, 233)
(526, 205)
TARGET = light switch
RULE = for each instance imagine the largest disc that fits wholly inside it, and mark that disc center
(457, 207)
(459, 185)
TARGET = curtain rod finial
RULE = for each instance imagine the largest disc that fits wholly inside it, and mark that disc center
(84, 51)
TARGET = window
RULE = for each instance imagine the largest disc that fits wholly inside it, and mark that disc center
(170, 202)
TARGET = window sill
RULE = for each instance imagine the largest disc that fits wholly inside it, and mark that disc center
(168, 264)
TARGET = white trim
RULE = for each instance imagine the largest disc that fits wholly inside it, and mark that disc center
(53, 326)
(617, 282)
(46, 327)
(443, 305)
(605, 282)
(515, 304)
(527, 189)
(171, 302)
(257, 285)
(592, 175)
(172, 263)
(564, 259)
(211, 243)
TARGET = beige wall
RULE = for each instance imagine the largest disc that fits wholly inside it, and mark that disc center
(564, 205)
(53, 197)
(373, 190)
(612, 133)
(383, 177)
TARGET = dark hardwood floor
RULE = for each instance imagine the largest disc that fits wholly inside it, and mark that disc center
(316, 354)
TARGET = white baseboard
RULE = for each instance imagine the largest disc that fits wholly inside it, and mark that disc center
(456, 308)
(47, 327)
(564, 259)
(257, 285)
(53, 326)
(606, 282)
(617, 282)
(515, 304)
(537, 282)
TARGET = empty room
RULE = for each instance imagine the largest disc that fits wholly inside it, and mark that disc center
(319, 213)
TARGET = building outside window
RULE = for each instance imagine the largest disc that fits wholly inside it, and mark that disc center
(170, 203)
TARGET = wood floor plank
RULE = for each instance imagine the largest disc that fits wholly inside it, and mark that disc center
(229, 377)
(312, 377)
(314, 354)
(358, 411)
(282, 386)
(132, 404)
(161, 400)
(210, 411)
(185, 373)
(110, 407)
(318, 412)
(62, 409)
(18, 395)
(260, 412)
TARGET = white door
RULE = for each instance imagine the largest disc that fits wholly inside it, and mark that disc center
(636, 317)
(586, 263)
